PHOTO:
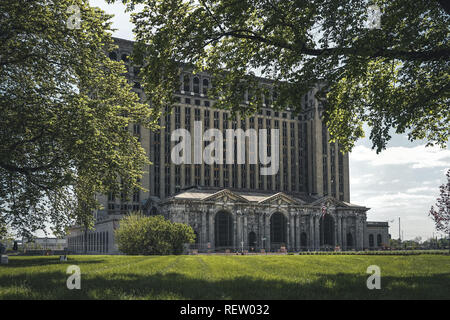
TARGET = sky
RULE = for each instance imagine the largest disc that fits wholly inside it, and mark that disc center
(401, 182)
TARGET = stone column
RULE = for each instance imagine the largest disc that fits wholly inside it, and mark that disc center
(311, 237)
(203, 240)
(297, 232)
(288, 232)
(245, 231)
(317, 232)
(235, 231)
(335, 219)
(361, 233)
(293, 242)
(339, 230)
(259, 234)
(357, 233)
(211, 230)
(267, 232)
(239, 230)
(344, 233)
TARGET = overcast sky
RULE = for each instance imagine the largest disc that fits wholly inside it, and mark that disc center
(402, 181)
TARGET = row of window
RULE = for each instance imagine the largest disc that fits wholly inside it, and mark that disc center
(92, 242)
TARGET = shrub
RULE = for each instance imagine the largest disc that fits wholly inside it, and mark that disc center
(138, 234)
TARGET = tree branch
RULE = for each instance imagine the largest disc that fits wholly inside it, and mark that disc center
(430, 55)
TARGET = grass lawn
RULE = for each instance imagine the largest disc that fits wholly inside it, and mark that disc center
(227, 277)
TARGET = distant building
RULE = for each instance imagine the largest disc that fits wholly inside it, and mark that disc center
(305, 206)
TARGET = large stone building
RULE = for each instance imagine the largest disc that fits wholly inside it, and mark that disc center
(305, 206)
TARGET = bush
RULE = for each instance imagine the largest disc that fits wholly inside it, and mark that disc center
(138, 234)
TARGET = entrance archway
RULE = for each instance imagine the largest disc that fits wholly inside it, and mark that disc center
(278, 230)
(251, 241)
(349, 241)
(223, 230)
(327, 231)
(303, 240)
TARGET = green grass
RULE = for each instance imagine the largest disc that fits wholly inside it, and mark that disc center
(227, 277)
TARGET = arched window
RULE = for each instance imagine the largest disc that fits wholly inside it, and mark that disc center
(278, 229)
(379, 240)
(205, 86)
(196, 85)
(371, 241)
(223, 229)
(186, 83)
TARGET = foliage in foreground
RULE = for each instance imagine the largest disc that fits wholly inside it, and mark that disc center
(63, 109)
(395, 75)
(138, 234)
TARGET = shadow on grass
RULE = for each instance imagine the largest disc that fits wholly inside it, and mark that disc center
(52, 285)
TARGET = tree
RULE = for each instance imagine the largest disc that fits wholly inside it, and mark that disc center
(3, 229)
(64, 106)
(138, 234)
(393, 76)
(441, 215)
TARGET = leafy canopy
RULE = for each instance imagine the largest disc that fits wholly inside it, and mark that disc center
(396, 76)
(64, 112)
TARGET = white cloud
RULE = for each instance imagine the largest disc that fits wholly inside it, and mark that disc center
(399, 200)
(414, 157)
(422, 190)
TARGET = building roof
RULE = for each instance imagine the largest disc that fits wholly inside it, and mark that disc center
(261, 197)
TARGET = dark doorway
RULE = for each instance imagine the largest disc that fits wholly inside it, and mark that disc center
(251, 241)
(349, 240)
(278, 229)
(223, 229)
(303, 240)
(327, 230)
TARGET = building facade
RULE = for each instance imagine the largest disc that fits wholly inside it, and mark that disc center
(305, 206)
